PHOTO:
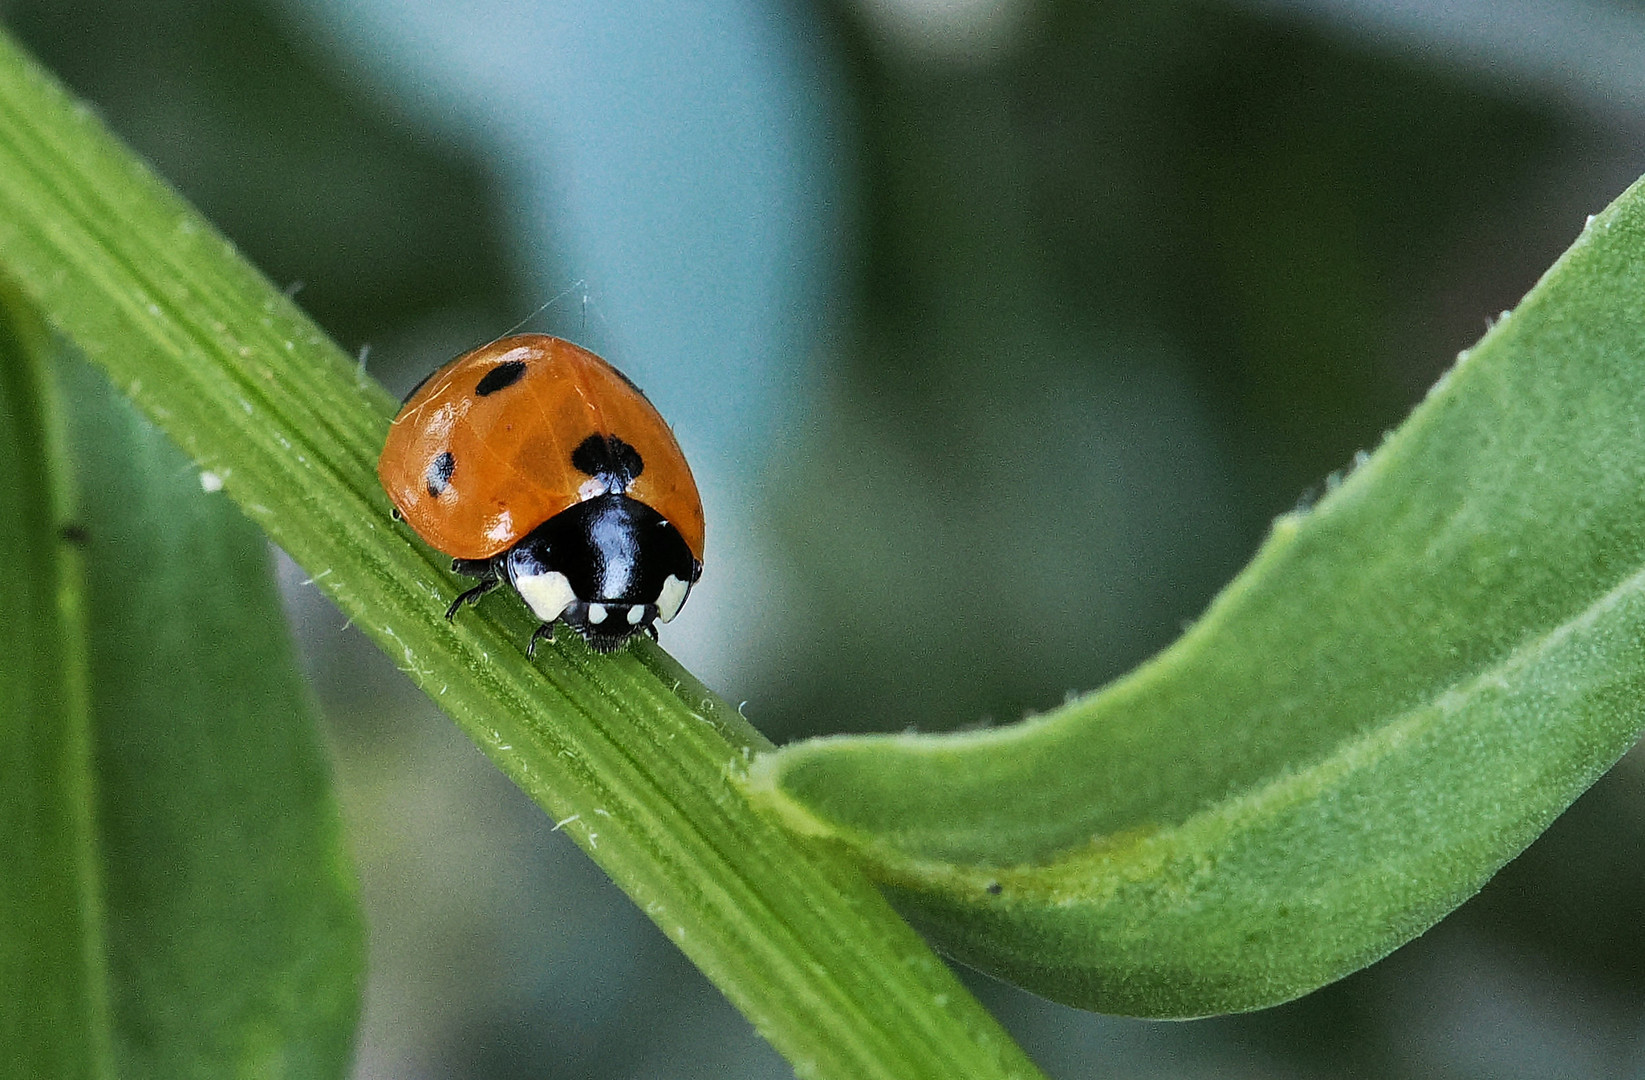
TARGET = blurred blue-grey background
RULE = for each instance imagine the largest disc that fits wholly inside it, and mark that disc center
(996, 332)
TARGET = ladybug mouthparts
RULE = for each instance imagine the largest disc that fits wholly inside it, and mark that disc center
(606, 626)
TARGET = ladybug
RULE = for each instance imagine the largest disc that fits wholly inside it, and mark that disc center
(533, 461)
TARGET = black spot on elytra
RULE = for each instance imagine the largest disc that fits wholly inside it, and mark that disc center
(501, 377)
(439, 474)
(610, 459)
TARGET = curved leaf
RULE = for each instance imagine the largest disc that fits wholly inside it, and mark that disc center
(1407, 684)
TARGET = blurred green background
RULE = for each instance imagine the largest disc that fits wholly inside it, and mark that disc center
(996, 330)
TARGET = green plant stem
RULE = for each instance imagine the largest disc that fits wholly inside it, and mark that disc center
(631, 756)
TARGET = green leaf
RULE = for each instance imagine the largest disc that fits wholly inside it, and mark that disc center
(213, 920)
(1405, 687)
(235, 941)
(631, 756)
(51, 919)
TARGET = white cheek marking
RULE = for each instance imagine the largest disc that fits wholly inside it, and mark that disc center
(672, 598)
(596, 613)
(635, 614)
(547, 595)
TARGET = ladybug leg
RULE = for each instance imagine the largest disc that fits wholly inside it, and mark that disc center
(546, 630)
(471, 596)
(480, 568)
(651, 631)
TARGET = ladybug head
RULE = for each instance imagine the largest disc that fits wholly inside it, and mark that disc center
(607, 627)
(609, 567)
